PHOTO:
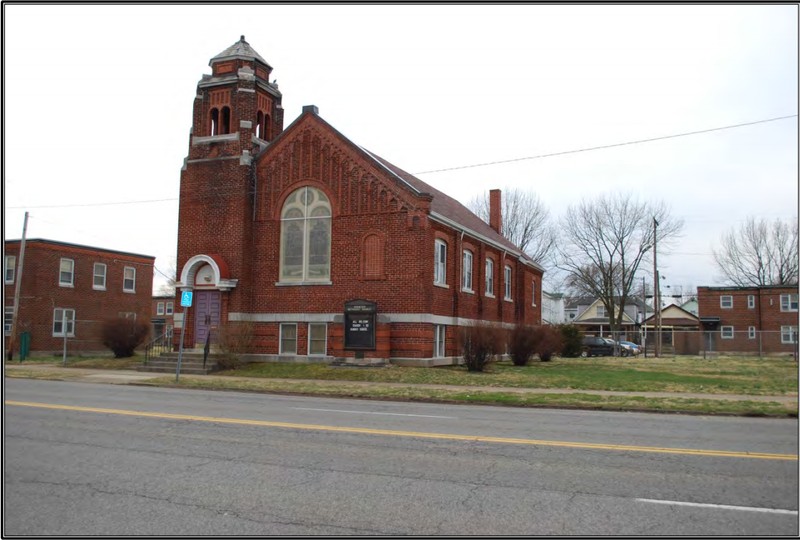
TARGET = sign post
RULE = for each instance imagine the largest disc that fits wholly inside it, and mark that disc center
(186, 303)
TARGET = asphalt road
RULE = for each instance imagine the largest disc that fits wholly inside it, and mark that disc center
(88, 459)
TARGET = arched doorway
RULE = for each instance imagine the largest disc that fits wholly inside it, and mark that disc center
(208, 277)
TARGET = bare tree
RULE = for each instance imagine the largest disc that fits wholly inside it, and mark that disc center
(759, 253)
(526, 222)
(604, 241)
(171, 279)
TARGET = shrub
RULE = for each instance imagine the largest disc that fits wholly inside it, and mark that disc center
(235, 338)
(521, 345)
(122, 336)
(479, 343)
(547, 341)
(572, 340)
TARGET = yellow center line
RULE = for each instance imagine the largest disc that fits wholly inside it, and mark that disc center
(395, 433)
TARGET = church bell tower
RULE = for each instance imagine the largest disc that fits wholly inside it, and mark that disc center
(237, 113)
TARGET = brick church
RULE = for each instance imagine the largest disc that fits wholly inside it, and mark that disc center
(322, 249)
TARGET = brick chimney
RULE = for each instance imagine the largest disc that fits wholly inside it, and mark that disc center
(495, 210)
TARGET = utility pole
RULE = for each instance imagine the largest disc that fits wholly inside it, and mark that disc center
(656, 290)
(644, 317)
(12, 338)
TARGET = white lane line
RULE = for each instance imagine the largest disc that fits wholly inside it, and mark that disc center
(368, 412)
(722, 506)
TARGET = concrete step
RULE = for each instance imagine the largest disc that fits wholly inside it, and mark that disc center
(191, 363)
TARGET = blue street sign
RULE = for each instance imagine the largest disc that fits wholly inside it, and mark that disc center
(186, 299)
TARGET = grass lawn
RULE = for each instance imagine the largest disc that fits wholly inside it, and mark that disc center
(679, 375)
(721, 375)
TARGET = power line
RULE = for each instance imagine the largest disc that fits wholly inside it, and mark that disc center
(540, 156)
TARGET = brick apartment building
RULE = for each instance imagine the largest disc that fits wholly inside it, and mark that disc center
(749, 319)
(72, 289)
(280, 228)
(162, 314)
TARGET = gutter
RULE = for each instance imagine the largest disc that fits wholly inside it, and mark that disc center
(450, 223)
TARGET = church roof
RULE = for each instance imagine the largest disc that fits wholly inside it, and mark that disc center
(445, 208)
(448, 207)
(240, 49)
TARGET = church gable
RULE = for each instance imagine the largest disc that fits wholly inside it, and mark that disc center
(313, 153)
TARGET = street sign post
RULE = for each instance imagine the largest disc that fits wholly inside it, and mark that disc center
(186, 303)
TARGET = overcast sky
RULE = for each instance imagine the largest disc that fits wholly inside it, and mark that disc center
(98, 106)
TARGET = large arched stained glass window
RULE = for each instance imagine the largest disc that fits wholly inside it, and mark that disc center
(306, 236)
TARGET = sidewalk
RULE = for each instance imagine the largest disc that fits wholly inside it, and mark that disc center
(114, 376)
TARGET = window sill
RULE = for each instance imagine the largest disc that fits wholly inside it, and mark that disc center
(128, 291)
(509, 300)
(468, 291)
(489, 295)
(442, 285)
(301, 283)
(67, 285)
(98, 288)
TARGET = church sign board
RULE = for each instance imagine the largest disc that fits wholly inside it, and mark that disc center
(359, 325)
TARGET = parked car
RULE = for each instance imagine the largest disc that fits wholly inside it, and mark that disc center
(597, 346)
(629, 348)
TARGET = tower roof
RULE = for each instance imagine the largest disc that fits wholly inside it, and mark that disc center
(241, 49)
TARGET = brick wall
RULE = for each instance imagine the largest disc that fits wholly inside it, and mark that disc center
(41, 293)
(764, 315)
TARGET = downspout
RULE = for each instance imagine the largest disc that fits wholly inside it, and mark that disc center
(503, 292)
(460, 274)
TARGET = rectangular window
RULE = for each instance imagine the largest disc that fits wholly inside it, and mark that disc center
(440, 263)
(160, 308)
(601, 312)
(788, 302)
(317, 339)
(726, 332)
(508, 282)
(66, 273)
(788, 334)
(489, 277)
(10, 268)
(170, 308)
(288, 339)
(438, 342)
(62, 317)
(466, 271)
(533, 293)
(8, 320)
(129, 279)
(726, 302)
(99, 277)
(751, 301)
(751, 332)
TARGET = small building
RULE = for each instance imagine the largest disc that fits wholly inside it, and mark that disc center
(67, 291)
(749, 320)
(163, 314)
(680, 331)
(553, 308)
